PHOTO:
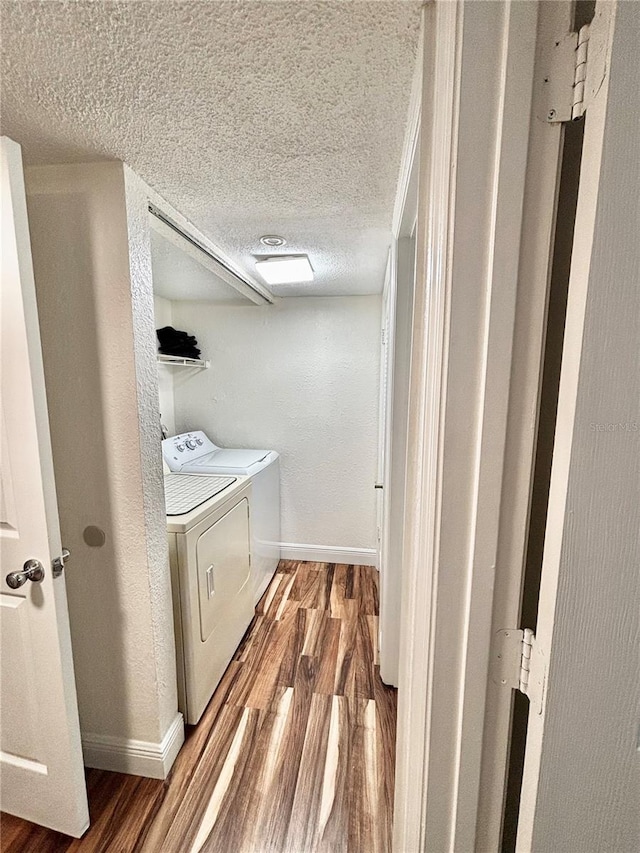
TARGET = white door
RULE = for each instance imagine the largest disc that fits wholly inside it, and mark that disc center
(581, 783)
(41, 758)
(384, 404)
(398, 313)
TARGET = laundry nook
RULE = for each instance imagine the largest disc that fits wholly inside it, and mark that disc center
(224, 548)
(319, 452)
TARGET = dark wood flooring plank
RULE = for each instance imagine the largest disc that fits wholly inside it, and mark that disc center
(346, 646)
(282, 597)
(328, 657)
(362, 782)
(304, 827)
(182, 830)
(372, 622)
(368, 587)
(338, 590)
(294, 754)
(304, 581)
(264, 605)
(333, 816)
(267, 684)
(222, 827)
(262, 772)
(293, 636)
(362, 664)
(352, 583)
(289, 566)
(24, 837)
(187, 762)
(118, 826)
(12, 832)
(285, 777)
(386, 709)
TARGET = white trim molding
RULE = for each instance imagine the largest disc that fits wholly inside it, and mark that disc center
(329, 554)
(478, 75)
(137, 757)
(397, 299)
(426, 403)
(407, 179)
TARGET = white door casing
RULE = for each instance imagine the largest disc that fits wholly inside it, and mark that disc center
(42, 769)
(386, 366)
(391, 557)
(384, 426)
(470, 227)
(534, 274)
(582, 766)
(398, 305)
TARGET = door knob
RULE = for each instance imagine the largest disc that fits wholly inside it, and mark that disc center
(33, 571)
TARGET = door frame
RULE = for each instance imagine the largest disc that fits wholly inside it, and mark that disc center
(473, 165)
(396, 338)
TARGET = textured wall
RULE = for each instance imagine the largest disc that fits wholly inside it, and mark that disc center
(300, 377)
(163, 316)
(96, 318)
(150, 456)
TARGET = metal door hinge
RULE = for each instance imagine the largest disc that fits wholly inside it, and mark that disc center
(517, 662)
(574, 68)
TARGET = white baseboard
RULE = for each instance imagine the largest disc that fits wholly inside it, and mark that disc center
(328, 554)
(137, 757)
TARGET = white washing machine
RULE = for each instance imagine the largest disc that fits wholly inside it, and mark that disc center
(209, 541)
(193, 452)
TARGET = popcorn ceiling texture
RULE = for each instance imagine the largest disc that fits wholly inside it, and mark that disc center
(249, 117)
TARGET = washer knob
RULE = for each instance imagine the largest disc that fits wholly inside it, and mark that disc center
(180, 447)
(191, 444)
(198, 441)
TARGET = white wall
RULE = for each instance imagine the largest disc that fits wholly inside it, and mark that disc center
(300, 377)
(93, 275)
(163, 316)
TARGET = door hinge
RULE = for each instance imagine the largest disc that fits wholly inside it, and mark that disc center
(517, 663)
(574, 68)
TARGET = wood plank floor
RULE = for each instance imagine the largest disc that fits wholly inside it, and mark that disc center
(294, 753)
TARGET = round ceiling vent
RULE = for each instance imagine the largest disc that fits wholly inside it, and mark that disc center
(272, 240)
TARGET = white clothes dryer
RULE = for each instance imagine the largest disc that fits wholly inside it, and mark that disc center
(194, 453)
(208, 530)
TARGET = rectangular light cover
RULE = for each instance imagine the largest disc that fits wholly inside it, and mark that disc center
(285, 269)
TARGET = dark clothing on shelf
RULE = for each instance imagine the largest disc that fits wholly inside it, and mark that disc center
(174, 342)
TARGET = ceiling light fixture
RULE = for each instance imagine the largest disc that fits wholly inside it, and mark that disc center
(272, 240)
(285, 269)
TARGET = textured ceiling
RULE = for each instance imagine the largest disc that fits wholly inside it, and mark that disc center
(251, 118)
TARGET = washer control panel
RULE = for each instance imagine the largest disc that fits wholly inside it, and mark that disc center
(180, 449)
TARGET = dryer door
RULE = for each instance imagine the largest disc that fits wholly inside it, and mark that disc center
(223, 567)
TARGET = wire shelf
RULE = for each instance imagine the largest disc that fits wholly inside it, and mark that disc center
(180, 361)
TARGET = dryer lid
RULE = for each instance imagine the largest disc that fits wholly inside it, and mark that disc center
(229, 458)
